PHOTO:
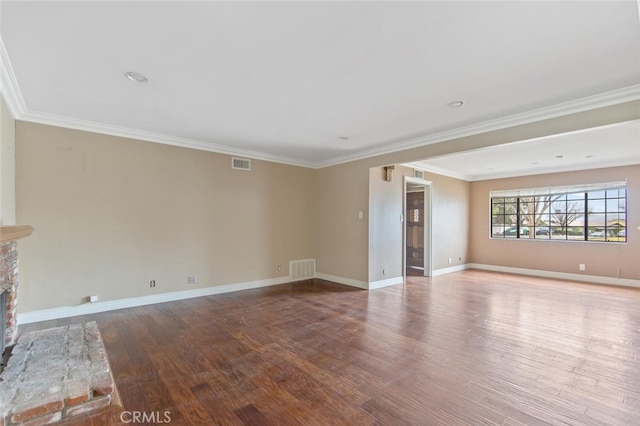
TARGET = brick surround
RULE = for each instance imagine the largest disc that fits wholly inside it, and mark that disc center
(9, 278)
(9, 283)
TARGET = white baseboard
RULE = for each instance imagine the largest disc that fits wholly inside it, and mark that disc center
(625, 282)
(111, 305)
(449, 270)
(386, 283)
(341, 280)
(360, 284)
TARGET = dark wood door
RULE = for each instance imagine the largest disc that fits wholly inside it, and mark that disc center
(415, 233)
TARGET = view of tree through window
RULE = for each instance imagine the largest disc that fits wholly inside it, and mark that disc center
(581, 213)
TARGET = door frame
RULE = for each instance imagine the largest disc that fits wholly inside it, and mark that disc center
(427, 224)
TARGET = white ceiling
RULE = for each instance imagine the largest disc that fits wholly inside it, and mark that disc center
(284, 80)
(606, 146)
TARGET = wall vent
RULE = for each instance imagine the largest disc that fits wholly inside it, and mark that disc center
(302, 269)
(240, 163)
(418, 173)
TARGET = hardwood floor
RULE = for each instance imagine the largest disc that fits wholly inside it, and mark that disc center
(467, 348)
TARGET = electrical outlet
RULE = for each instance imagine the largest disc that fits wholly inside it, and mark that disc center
(191, 279)
(93, 299)
(582, 267)
(449, 261)
(279, 268)
(152, 283)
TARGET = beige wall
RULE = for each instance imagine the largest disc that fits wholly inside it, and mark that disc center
(450, 200)
(110, 214)
(7, 166)
(342, 242)
(342, 246)
(385, 227)
(450, 220)
(601, 259)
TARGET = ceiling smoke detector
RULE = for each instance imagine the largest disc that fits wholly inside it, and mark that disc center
(136, 76)
(455, 104)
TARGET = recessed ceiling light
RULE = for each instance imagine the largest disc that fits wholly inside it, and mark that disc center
(588, 156)
(559, 156)
(455, 104)
(136, 76)
(535, 163)
(343, 138)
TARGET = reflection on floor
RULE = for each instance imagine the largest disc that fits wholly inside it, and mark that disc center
(466, 348)
(414, 271)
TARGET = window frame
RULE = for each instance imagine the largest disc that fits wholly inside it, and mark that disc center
(561, 213)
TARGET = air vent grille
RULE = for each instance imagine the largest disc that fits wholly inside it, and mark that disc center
(240, 163)
(302, 269)
(418, 173)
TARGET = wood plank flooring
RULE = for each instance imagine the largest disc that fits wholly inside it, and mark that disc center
(467, 348)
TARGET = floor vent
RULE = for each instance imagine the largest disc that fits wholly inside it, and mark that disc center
(302, 269)
(240, 163)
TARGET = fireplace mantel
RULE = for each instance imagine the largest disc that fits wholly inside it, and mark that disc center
(12, 233)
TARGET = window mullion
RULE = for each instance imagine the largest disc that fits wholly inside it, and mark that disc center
(586, 216)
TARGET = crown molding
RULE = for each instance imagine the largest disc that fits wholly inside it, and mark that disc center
(550, 170)
(627, 161)
(626, 94)
(9, 85)
(125, 132)
(614, 97)
(438, 170)
(11, 91)
(501, 175)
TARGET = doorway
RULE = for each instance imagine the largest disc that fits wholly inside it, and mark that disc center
(417, 227)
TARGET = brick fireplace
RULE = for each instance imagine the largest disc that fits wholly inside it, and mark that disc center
(9, 282)
(8, 286)
(51, 374)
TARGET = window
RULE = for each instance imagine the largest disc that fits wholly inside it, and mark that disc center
(595, 212)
